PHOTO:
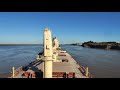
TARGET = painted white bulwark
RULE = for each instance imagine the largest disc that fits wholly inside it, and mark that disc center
(48, 52)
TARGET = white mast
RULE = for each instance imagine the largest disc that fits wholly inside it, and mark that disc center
(48, 52)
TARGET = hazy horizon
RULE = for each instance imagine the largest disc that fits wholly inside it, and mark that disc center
(60, 43)
(68, 27)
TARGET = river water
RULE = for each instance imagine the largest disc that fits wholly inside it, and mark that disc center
(101, 63)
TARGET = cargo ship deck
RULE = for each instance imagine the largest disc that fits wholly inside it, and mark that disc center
(52, 62)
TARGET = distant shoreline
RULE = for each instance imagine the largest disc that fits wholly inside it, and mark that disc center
(100, 45)
(23, 44)
(18, 44)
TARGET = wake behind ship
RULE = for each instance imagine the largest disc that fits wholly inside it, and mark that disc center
(52, 62)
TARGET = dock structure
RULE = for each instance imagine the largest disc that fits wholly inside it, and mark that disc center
(53, 63)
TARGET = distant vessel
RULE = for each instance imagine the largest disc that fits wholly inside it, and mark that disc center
(52, 62)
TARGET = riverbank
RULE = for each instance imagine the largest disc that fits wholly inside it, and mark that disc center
(101, 45)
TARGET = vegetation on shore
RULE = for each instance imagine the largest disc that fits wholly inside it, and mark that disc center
(102, 45)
